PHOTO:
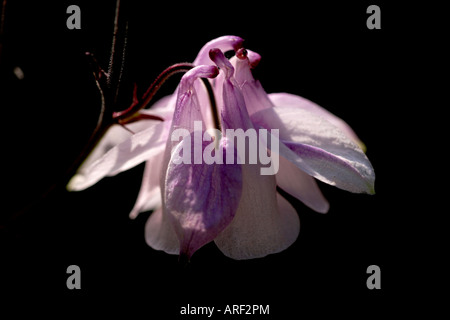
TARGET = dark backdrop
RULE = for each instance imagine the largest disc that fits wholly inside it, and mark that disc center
(323, 52)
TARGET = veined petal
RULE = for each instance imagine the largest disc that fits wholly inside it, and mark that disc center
(187, 111)
(130, 152)
(259, 227)
(162, 108)
(290, 100)
(347, 174)
(224, 43)
(300, 185)
(201, 199)
(234, 112)
(159, 233)
(265, 222)
(149, 196)
(256, 98)
(319, 148)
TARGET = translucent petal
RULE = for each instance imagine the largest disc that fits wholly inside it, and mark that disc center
(300, 185)
(319, 148)
(159, 233)
(291, 100)
(127, 154)
(149, 196)
(201, 199)
(224, 43)
(265, 222)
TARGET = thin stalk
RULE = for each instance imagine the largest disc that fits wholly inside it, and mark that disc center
(137, 105)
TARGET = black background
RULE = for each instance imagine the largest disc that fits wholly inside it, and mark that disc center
(323, 52)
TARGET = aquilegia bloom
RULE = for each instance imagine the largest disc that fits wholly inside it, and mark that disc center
(232, 204)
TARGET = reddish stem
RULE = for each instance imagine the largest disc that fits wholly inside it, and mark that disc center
(127, 114)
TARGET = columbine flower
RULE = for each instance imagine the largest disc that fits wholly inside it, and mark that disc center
(231, 204)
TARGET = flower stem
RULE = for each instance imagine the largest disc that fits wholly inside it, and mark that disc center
(129, 113)
(2, 27)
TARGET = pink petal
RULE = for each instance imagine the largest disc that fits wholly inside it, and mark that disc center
(300, 185)
(187, 111)
(149, 196)
(201, 199)
(187, 108)
(234, 112)
(259, 228)
(159, 233)
(224, 43)
(264, 223)
(130, 152)
(256, 98)
(290, 100)
(319, 148)
(162, 108)
(347, 174)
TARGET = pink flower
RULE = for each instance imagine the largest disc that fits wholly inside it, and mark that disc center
(231, 204)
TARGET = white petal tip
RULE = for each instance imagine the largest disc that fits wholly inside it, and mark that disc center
(324, 210)
(133, 215)
(76, 183)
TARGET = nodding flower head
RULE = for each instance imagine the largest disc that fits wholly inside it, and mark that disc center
(204, 163)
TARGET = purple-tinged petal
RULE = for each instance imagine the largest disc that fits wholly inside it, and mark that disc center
(149, 196)
(201, 199)
(259, 227)
(163, 108)
(159, 233)
(300, 185)
(187, 109)
(256, 98)
(234, 112)
(132, 151)
(264, 223)
(290, 100)
(224, 43)
(319, 148)
(345, 173)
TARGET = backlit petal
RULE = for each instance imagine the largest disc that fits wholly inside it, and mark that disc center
(319, 148)
(149, 196)
(300, 185)
(224, 43)
(256, 98)
(234, 112)
(201, 199)
(291, 100)
(132, 151)
(265, 222)
(159, 233)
